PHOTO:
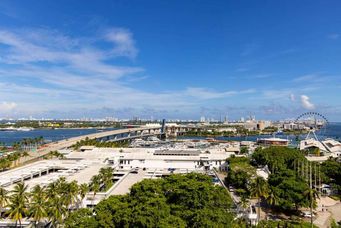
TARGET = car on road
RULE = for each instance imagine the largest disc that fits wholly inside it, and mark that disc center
(307, 214)
(135, 170)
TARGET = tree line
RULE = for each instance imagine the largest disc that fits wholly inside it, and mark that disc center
(190, 200)
(10, 156)
(285, 190)
(96, 143)
(11, 160)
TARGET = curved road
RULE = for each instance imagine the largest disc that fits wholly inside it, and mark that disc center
(65, 143)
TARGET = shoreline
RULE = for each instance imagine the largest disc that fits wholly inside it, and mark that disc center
(59, 128)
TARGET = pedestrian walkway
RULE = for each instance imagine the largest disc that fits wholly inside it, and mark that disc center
(124, 186)
(323, 219)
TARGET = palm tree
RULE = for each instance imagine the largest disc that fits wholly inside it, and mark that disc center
(259, 189)
(37, 209)
(83, 190)
(51, 190)
(311, 195)
(5, 163)
(24, 154)
(244, 202)
(14, 158)
(61, 183)
(56, 210)
(18, 203)
(272, 198)
(41, 139)
(95, 186)
(16, 145)
(106, 174)
(71, 195)
(56, 201)
(3, 199)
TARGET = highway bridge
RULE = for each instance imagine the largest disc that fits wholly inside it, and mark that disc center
(113, 135)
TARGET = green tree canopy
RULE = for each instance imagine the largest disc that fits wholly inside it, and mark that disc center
(190, 200)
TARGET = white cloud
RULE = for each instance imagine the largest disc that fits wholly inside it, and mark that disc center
(203, 93)
(123, 41)
(307, 78)
(305, 102)
(7, 106)
(315, 78)
(46, 72)
(279, 94)
(37, 46)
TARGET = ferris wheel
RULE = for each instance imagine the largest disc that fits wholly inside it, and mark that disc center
(314, 122)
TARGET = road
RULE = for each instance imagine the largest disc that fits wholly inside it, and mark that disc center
(66, 143)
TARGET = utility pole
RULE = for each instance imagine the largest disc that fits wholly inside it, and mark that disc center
(311, 197)
(320, 187)
(307, 171)
(315, 177)
(297, 167)
(310, 177)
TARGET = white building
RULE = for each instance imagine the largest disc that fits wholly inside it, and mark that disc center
(312, 144)
(227, 129)
(190, 159)
(333, 146)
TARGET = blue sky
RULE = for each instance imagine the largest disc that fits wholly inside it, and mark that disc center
(172, 59)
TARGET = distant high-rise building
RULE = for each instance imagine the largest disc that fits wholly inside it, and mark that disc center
(202, 119)
(252, 118)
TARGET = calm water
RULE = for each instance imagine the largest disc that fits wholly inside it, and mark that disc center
(332, 131)
(9, 137)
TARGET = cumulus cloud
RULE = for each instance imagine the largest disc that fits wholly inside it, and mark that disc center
(305, 102)
(7, 106)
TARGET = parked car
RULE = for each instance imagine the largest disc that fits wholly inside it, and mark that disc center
(134, 170)
(307, 214)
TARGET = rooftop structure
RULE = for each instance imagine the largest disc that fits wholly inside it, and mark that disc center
(273, 141)
(131, 165)
(177, 152)
(164, 159)
(312, 143)
(332, 146)
(47, 171)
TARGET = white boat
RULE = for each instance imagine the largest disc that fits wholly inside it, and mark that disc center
(25, 129)
(8, 129)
